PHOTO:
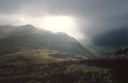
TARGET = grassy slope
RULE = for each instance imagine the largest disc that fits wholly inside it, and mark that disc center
(105, 70)
(62, 72)
(35, 56)
(14, 39)
(31, 58)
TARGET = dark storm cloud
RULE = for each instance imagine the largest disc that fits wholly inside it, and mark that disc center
(94, 16)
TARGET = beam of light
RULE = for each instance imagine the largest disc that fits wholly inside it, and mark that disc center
(58, 23)
(64, 24)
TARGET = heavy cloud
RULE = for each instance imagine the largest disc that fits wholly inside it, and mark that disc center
(93, 16)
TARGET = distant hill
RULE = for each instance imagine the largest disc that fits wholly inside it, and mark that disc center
(108, 42)
(117, 38)
(29, 44)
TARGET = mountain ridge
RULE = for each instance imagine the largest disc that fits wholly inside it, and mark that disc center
(25, 40)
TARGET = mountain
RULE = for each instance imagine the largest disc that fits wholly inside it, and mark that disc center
(108, 42)
(27, 43)
(30, 55)
(117, 38)
(97, 49)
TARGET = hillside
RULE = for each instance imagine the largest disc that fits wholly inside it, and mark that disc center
(108, 42)
(30, 55)
(29, 44)
(103, 70)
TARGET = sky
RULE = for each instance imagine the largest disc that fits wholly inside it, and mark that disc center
(78, 18)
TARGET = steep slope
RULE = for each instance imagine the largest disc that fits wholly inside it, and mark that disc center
(28, 42)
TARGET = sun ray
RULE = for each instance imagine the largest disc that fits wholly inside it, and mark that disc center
(58, 23)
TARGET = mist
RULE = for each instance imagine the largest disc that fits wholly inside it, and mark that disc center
(92, 16)
(63, 41)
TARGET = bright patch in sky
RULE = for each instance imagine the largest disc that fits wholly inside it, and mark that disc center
(64, 24)
(58, 23)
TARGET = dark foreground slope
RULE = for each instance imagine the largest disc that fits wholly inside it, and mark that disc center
(29, 44)
(105, 70)
(62, 72)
